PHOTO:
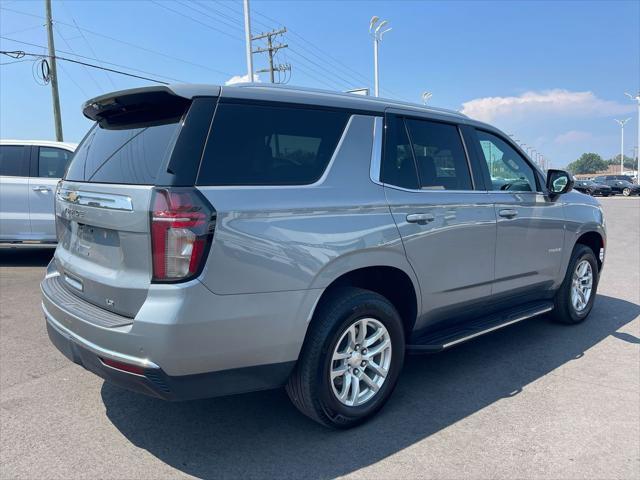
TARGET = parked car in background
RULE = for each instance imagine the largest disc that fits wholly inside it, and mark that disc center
(218, 240)
(29, 172)
(592, 188)
(619, 184)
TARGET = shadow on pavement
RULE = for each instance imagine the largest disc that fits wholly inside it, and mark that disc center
(262, 435)
(22, 256)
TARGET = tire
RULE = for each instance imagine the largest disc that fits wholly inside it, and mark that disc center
(311, 388)
(565, 310)
(626, 192)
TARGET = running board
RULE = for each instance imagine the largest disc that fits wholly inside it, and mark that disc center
(437, 341)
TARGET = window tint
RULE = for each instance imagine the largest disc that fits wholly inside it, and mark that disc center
(264, 145)
(126, 155)
(14, 161)
(508, 170)
(52, 162)
(398, 167)
(440, 156)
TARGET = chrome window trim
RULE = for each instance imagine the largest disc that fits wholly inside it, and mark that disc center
(376, 163)
(94, 199)
(376, 150)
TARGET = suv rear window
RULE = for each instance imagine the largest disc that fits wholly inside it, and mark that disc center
(270, 145)
(123, 155)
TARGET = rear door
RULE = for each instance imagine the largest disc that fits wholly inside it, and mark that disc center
(448, 227)
(48, 167)
(140, 141)
(14, 189)
(530, 234)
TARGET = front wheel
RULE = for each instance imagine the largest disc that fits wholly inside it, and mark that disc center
(350, 360)
(626, 192)
(575, 297)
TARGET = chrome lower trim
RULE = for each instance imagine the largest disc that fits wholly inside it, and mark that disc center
(98, 350)
(497, 327)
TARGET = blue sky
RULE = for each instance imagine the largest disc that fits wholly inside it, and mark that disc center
(553, 73)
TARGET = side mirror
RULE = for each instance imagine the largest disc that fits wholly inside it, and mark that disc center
(559, 182)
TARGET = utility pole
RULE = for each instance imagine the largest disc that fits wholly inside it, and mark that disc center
(247, 37)
(271, 50)
(54, 73)
(622, 123)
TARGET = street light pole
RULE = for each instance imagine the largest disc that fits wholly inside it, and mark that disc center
(377, 30)
(637, 99)
(622, 123)
(247, 39)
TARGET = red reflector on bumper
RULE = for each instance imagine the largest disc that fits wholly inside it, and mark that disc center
(125, 367)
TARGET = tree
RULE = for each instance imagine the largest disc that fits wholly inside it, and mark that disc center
(629, 162)
(588, 163)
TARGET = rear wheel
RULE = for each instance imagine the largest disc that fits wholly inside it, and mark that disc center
(626, 191)
(574, 300)
(351, 359)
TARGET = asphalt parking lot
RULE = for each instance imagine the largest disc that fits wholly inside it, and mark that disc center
(535, 400)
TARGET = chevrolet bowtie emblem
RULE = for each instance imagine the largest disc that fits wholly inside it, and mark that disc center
(72, 196)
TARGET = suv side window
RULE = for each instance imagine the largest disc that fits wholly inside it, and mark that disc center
(398, 166)
(439, 155)
(270, 145)
(52, 162)
(14, 161)
(508, 170)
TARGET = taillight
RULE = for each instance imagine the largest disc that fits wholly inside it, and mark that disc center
(182, 224)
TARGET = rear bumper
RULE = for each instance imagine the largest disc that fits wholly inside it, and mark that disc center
(155, 382)
(189, 342)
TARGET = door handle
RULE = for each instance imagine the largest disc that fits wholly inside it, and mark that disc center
(41, 188)
(508, 213)
(420, 218)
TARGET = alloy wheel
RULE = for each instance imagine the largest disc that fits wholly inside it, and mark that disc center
(360, 362)
(581, 286)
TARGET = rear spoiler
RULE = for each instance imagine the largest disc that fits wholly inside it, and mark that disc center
(141, 106)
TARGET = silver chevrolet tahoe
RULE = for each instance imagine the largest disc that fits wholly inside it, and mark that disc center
(218, 240)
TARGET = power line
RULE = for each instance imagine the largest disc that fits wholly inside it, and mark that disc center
(216, 19)
(38, 55)
(15, 61)
(124, 42)
(177, 12)
(89, 58)
(73, 81)
(95, 56)
(23, 29)
(71, 48)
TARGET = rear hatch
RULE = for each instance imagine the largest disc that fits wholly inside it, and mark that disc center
(145, 145)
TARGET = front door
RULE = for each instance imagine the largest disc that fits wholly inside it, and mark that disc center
(448, 229)
(530, 225)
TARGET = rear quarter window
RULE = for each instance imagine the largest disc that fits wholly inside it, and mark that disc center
(270, 145)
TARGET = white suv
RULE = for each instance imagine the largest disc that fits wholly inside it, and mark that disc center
(29, 172)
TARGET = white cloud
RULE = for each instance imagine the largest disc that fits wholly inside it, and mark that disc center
(242, 79)
(557, 102)
(573, 136)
